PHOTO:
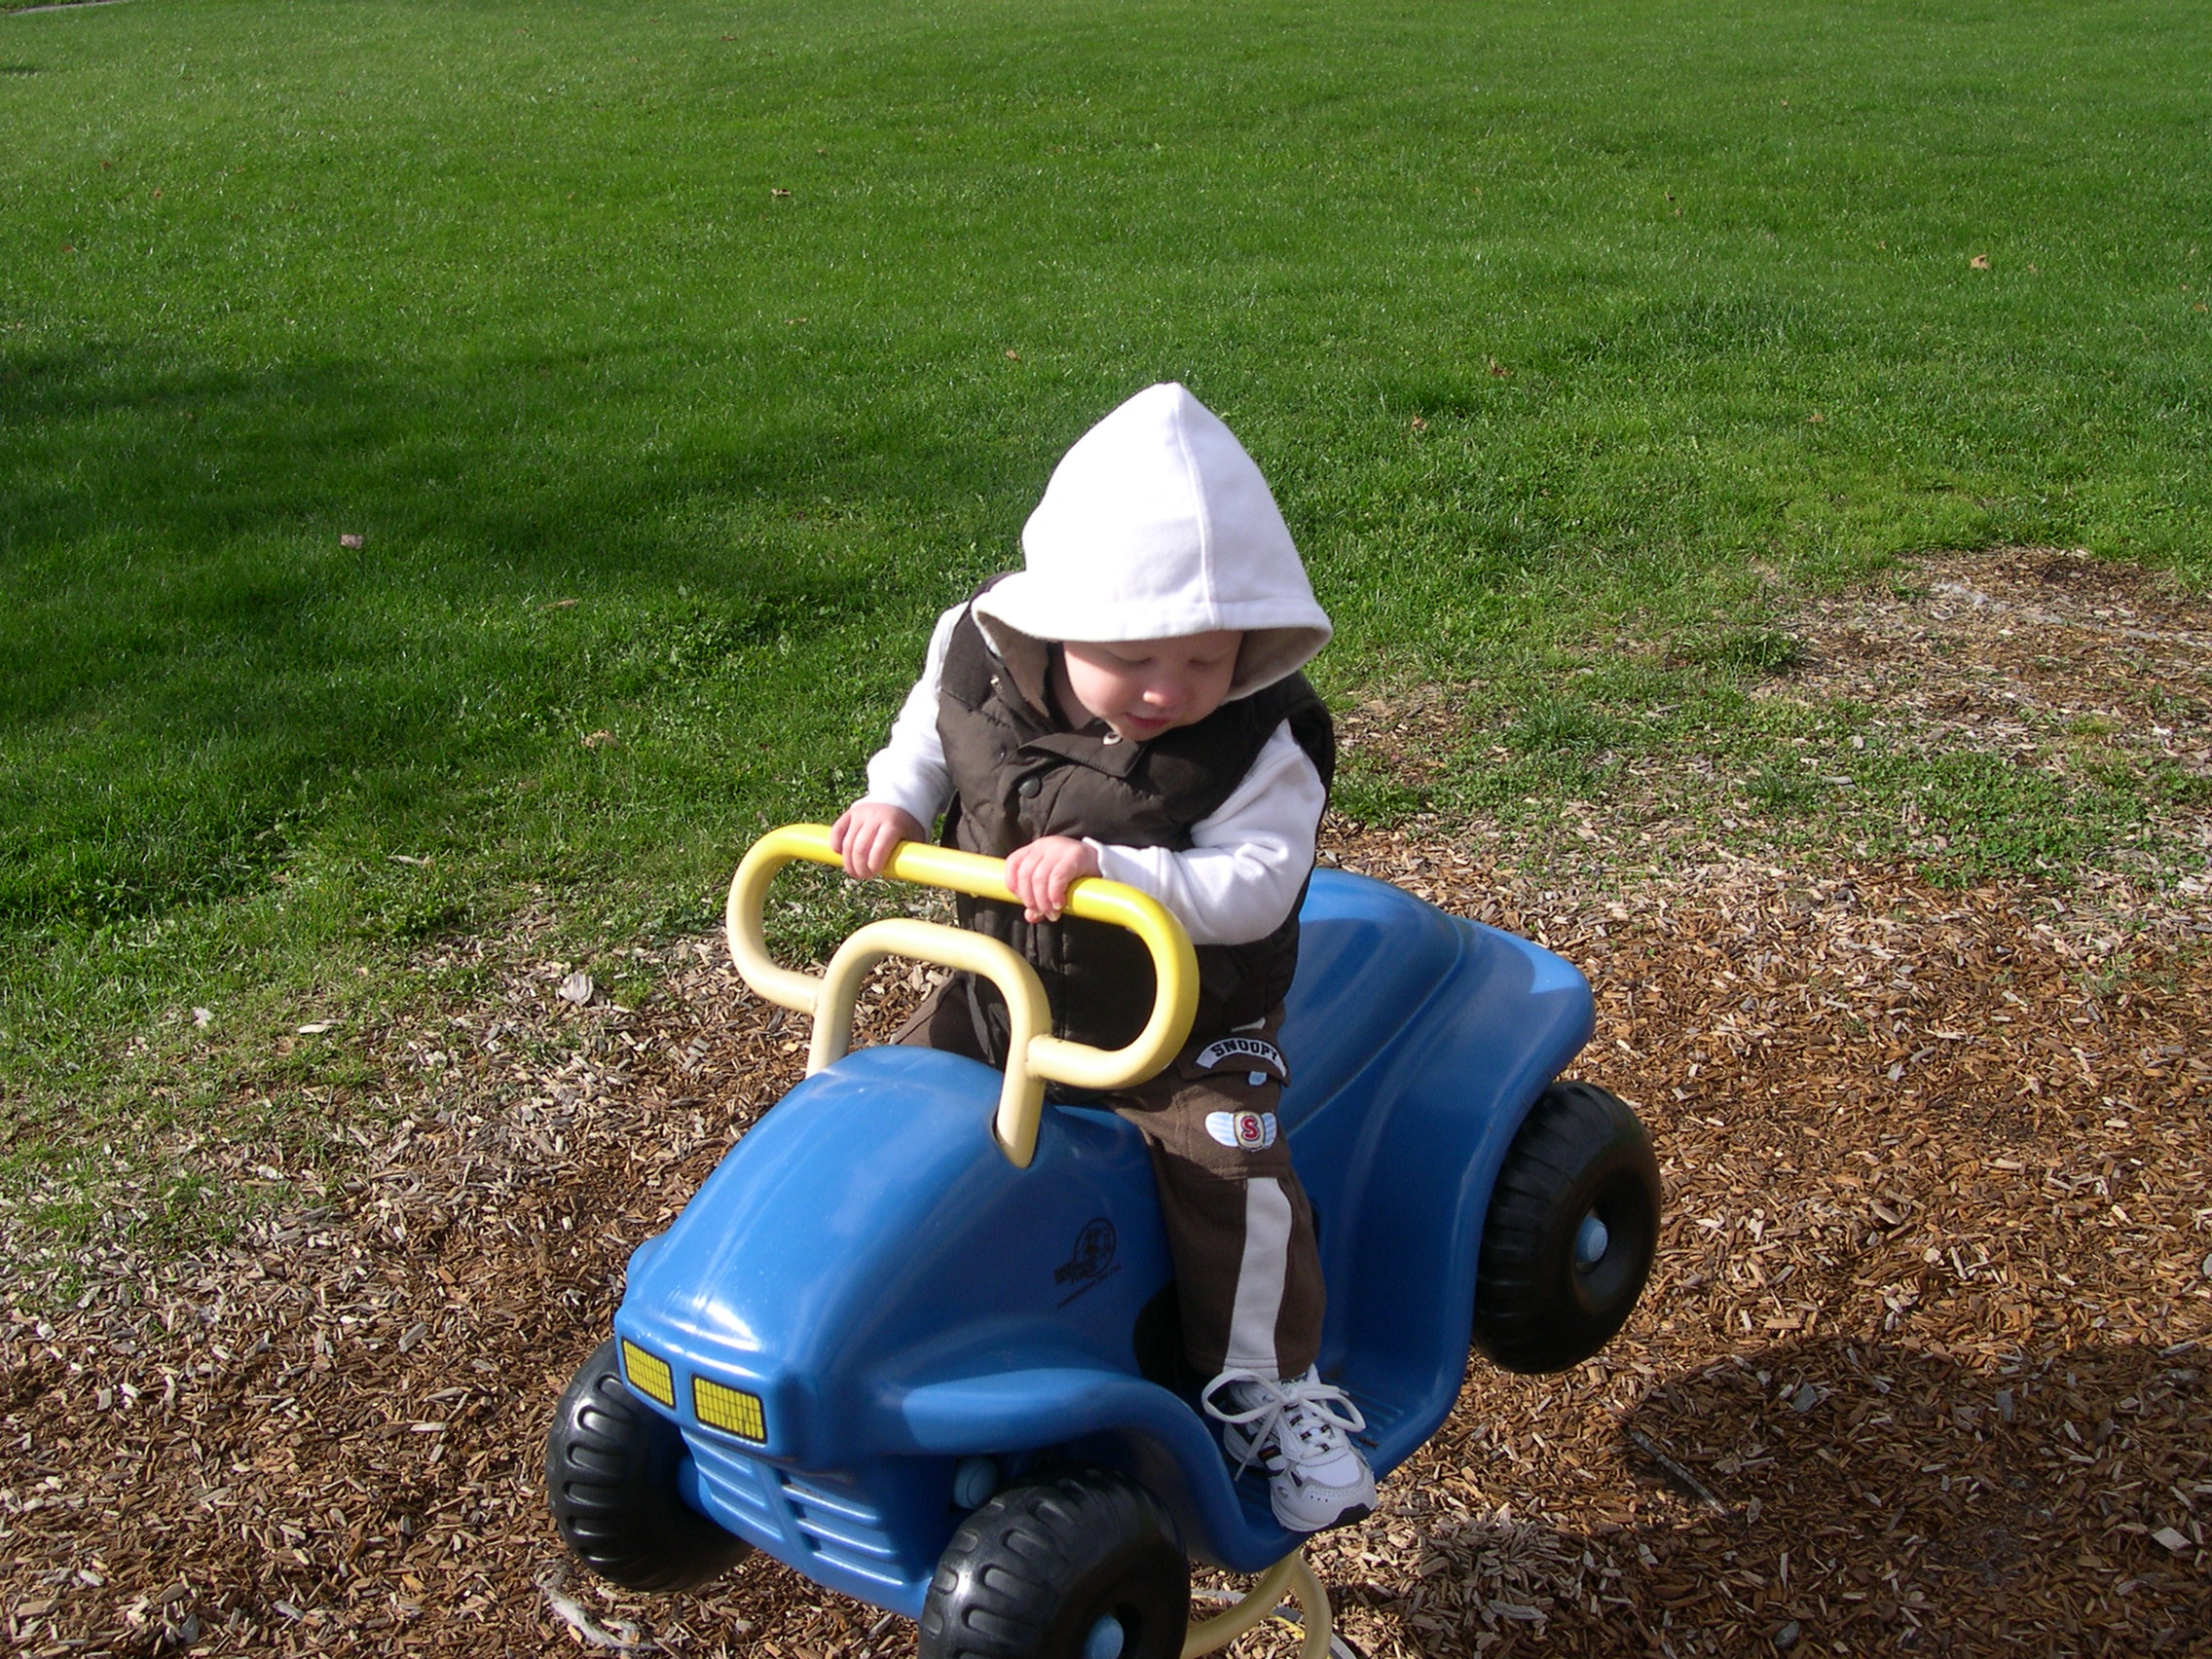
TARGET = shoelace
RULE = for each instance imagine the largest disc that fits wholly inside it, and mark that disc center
(1306, 1407)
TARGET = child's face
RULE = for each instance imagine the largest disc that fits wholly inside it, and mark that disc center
(1143, 687)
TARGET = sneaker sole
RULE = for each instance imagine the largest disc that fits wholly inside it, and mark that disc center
(1359, 1512)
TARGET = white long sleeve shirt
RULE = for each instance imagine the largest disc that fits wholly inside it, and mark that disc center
(1235, 883)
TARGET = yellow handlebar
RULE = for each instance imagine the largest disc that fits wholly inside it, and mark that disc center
(1034, 1054)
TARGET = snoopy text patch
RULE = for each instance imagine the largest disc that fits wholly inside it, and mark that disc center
(1247, 1048)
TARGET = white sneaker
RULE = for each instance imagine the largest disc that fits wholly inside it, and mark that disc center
(1299, 1432)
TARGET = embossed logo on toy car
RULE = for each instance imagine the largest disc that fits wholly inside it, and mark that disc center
(1092, 1259)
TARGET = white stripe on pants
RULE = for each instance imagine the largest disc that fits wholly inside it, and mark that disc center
(1260, 1276)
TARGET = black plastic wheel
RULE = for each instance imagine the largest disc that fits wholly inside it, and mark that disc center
(610, 1478)
(1572, 1225)
(1082, 1565)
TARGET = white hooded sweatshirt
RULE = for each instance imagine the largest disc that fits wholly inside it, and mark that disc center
(1156, 525)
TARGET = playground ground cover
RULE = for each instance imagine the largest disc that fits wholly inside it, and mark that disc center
(1926, 1352)
(470, 462)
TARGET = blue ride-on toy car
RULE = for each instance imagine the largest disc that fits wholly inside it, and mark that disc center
(916, 1335)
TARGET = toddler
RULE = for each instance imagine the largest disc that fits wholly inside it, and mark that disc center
(1129, 705)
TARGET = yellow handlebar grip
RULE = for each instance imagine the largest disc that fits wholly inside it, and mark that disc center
(1036, 1055)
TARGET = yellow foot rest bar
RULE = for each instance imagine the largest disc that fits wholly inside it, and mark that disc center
(1035, 1057)
(1260, 1603)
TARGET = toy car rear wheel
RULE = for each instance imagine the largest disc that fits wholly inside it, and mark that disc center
(1572, 1225)
(611, 1468)
(1083, 1565)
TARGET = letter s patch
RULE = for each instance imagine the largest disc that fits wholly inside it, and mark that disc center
(1249, 1131)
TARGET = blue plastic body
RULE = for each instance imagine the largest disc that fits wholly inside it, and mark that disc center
(897, 1297)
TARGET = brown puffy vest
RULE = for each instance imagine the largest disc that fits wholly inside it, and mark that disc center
(1018, 774)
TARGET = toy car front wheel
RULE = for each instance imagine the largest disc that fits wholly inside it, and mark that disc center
(611, 1468)
(1085, 1565)
(1572, 1225)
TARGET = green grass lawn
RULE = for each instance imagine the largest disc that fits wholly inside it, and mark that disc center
(674, 365)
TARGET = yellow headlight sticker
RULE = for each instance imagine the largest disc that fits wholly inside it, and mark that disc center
(650, 1376)
(729, 1410)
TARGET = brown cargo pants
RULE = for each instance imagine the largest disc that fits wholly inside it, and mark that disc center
(1240, 1229)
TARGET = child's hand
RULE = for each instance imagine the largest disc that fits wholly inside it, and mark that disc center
(1042, 872)
(865, 835)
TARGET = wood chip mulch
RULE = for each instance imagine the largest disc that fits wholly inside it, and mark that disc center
(1923, 1366)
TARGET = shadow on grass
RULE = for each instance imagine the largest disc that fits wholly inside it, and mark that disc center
(194, 667)
(514, 456)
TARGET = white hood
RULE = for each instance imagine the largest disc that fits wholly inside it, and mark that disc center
(1157, 523)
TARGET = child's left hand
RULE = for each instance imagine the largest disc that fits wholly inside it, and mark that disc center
(1042, 872)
